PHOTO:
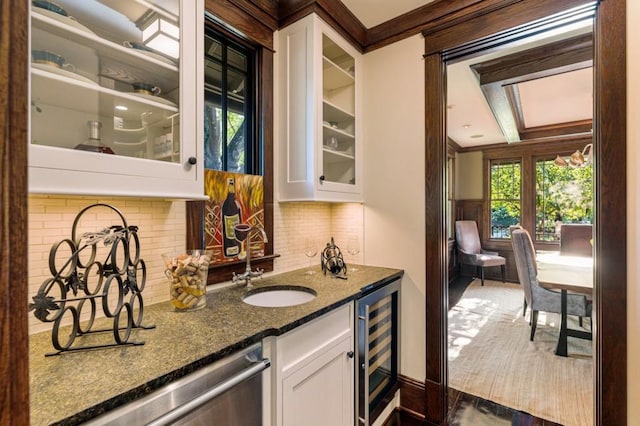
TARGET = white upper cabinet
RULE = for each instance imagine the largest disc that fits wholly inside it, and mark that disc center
(319, 109)
(117, 98)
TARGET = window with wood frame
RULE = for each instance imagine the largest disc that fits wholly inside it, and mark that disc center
(563, 195)
(505, 191)
(228, 102)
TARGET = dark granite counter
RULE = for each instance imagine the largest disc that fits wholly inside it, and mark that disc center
(76, 386)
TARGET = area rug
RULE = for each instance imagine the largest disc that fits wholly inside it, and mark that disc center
(490, 356)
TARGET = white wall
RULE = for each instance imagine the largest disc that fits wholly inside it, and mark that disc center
(394, 224)
(468, 176)
(633, 212)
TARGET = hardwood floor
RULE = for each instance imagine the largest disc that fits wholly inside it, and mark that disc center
(465, 409)
(468, 410)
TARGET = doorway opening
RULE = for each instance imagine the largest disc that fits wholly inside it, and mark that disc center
(487, 29)
(511, 114)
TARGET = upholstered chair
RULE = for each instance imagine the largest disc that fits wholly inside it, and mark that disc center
(470, 251)
(539, 298)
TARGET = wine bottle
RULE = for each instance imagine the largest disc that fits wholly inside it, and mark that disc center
(231, 216)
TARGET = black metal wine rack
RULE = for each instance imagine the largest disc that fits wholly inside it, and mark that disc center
(83, 281)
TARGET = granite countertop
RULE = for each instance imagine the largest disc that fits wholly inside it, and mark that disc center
(76, 386)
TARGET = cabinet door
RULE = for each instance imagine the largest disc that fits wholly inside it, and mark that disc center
(320, 78)
(339, 131)
(112, 113)
(320, 392)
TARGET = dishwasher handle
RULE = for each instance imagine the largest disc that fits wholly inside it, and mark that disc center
(202, 399)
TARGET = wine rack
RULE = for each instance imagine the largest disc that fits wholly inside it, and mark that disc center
(80, 283)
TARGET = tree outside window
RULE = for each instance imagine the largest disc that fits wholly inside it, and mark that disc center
(228, 106)
(563, 195)
(505, 197)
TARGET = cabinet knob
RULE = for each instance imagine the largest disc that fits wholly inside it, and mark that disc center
(192, 160)
(350, 354)
(322, 178)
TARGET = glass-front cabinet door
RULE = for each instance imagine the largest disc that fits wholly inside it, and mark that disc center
(338, 159)
(319, 121)
(114, 100)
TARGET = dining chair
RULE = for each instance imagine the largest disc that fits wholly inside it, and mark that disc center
(524, 303)
(538, 298)
(470, 252)
(575, 239)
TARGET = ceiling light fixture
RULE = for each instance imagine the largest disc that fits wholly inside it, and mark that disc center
(162, 35)
(577, 159)
(121, 108)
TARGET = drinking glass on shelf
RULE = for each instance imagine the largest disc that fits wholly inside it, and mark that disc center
(310, 250)
(353, 248)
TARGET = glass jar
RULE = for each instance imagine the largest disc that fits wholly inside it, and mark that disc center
(187, 274)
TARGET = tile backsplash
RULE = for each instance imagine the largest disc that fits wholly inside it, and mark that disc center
(162, 229)
(295, 222)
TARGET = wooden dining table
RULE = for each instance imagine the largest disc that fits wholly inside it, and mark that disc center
(566, 274)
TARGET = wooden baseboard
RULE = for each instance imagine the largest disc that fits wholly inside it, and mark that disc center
(393, 419)
(412, 400)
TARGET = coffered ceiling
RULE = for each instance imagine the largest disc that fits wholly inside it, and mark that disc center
(541, 89)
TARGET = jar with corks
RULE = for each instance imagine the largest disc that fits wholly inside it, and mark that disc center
(187, 275)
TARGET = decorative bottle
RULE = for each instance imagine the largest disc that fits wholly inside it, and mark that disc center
(93, 143)
(231, 216)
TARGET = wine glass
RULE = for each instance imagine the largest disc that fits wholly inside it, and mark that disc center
(353, 248)
(310, 250)
(242, 231)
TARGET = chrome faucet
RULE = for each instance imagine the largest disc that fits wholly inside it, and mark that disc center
(245, 278)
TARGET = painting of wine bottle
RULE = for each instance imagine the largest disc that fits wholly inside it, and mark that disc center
(234, 199)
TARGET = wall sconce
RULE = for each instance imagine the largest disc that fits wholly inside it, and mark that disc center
(577, 159)
(162, 35)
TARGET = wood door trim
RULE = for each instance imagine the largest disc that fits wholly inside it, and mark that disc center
(14, 337)
(436, 254)
(610, 128)
(610, 245)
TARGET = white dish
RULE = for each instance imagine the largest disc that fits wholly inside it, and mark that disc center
(154, 98)
(63, 72)
(154, 56)
(68, 20)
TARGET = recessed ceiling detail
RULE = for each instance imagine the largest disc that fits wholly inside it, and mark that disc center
(561, 98)
(542, 92)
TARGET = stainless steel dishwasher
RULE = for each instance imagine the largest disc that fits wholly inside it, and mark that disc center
(228, 392)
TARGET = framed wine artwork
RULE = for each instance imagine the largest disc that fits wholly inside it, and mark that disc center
(234, 199)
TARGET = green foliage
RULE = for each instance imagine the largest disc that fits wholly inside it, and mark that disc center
(505, 194)
(562, 193)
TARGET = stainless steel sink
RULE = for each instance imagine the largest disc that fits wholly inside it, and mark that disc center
(279, 296)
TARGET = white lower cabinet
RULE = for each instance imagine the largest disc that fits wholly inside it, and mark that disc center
(313, 376)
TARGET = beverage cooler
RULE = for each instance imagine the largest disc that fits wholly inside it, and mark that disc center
(377, 337)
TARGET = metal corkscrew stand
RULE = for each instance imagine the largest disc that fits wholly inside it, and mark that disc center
(82, 282)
